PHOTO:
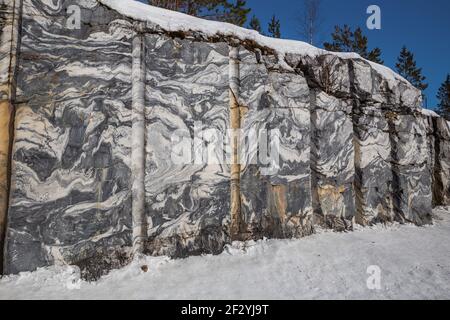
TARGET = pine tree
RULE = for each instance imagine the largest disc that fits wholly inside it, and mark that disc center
(255, 24)
(345, 40)
(407, 68)
(174, 5)
(232, 11)
(444, 99)
(236, 12)
(274, 28)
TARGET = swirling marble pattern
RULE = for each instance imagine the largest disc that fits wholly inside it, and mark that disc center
(187, 204)
(70, 197)
(101, 111)
(9, 13)
(440, 149)
(411, 169)
(332, 161)
(374, 177)
(276, 198)
(8, 44)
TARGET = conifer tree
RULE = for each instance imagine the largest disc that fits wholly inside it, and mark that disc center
(235, 12)
(407, 68)
(255, 24)
(345, 40)
(275, 27)
(443, 97)
(174, 5)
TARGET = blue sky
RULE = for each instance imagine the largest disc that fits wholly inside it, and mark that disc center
(422, 25)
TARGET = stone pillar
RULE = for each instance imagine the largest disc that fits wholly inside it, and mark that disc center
(138, 145)
(410, 169)
(10, 11)
(235, 116)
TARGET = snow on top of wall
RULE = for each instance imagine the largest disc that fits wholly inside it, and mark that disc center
(172, 21)
(430, 113)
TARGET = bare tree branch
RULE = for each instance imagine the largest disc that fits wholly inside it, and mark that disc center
(310, 20)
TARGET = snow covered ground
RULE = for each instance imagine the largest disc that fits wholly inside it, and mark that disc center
(414, 264)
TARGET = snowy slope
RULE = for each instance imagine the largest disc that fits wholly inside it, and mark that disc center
(414, 263)
(429, 113)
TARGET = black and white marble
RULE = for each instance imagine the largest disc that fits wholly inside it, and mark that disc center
(411, 169)
(275, 192)
(374, 177)
(99, 174)
(70, 195)
(187, 203)
(440, 148)
(10, 12)
(332, 161)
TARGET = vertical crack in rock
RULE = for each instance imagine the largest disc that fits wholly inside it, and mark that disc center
(396, 184)
(357, 183)
(360, 217)
(10, 22)
(436, 167)
(317, 211)
(138, 144)
(235, 115)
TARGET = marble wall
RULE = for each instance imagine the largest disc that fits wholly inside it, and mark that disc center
(411, 169)
(186, 90)
(70, 195)
(333, 161)
(9, 11)
(122, 143)
(374, 175)
(275, 191)
(438, 134)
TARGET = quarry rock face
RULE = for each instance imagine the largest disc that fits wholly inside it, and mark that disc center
(438, 131)
(87, 169)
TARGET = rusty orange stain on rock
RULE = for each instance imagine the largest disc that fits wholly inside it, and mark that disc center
(331, 199)
(280, 203)
(332, 192)
(5, 120)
